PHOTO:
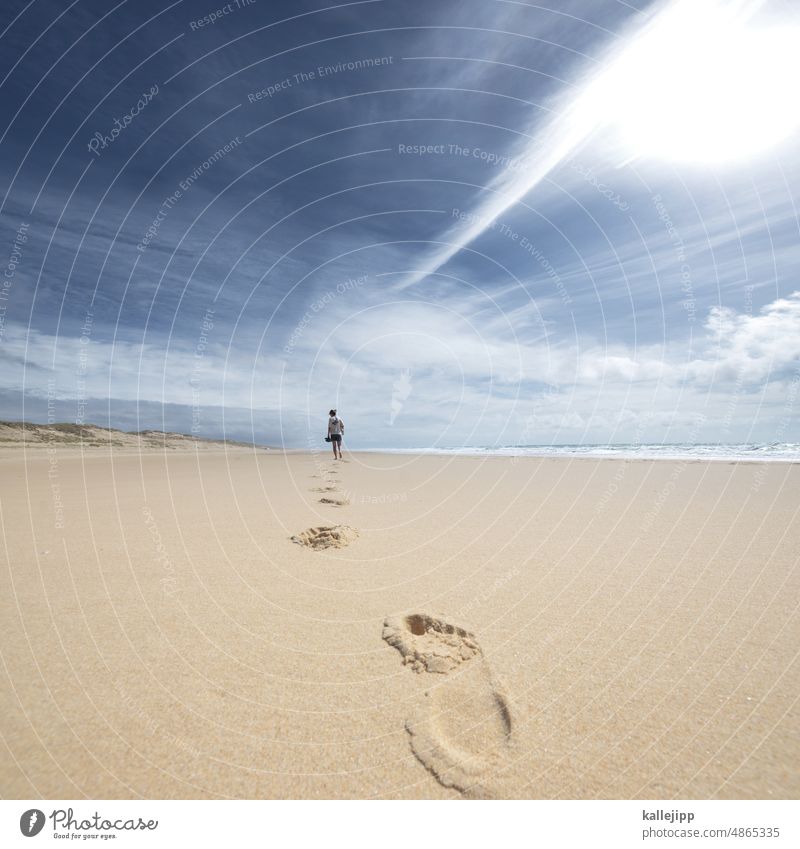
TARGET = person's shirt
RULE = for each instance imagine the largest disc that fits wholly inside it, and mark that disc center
(334, 425)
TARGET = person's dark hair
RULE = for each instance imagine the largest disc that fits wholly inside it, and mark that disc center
(332, 413)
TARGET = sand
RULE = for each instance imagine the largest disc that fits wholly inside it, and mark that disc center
(440, 626)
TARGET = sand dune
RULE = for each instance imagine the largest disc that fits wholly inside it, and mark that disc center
(67, 434)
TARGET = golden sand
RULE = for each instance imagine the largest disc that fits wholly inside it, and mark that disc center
(447, 626)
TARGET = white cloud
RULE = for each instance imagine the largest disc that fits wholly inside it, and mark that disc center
(472, 379)
(752, 349)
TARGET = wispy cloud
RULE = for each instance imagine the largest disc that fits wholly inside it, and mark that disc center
(584, 115)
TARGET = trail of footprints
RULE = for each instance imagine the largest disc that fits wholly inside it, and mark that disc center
(327, 536)
(462, 732)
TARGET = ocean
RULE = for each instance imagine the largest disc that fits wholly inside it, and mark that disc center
(785, 452)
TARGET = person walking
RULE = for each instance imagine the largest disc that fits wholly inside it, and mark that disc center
(335, 433)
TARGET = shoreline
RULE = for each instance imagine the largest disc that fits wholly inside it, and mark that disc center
(71, 450)
(555, 456)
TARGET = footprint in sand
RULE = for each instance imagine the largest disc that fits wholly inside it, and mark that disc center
(462, 733)
(326, 536)
(336, 502)
(325, 489)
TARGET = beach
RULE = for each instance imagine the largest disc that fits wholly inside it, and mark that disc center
(439, 626)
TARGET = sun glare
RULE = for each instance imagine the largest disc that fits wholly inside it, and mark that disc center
(702, 85)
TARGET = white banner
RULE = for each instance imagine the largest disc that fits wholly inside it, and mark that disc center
(403, 825)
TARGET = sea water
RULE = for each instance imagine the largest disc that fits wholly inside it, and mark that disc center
(754, 451)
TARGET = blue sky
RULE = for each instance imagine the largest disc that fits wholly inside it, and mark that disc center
(462, 223)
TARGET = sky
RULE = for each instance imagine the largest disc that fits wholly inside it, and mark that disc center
(461, 223)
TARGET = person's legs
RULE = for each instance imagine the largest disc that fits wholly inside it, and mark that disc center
(337, 442)
(333, 445)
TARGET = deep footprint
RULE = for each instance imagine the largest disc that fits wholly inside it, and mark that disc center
(462, 732)
(336, 502)
(326, 536)
(429, 644)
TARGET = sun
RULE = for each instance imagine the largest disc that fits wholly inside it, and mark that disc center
(702, 85)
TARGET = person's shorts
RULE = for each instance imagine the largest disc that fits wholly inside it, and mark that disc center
(336, 437)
